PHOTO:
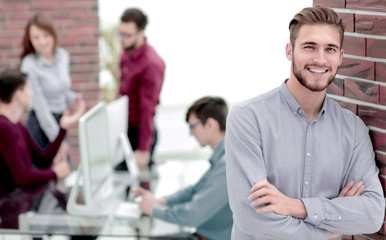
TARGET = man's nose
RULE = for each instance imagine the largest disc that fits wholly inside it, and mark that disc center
(320, 56)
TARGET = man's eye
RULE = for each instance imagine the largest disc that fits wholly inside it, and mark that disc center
(309, 47)
(331, 49)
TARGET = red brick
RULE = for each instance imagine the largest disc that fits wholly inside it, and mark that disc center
(372, 116)
(381, 158)
(354, 46)
(376, 48)
(382, 95)
(379, 140)
(380, 72)
(329, 3)
(383, 230)
(347, 237)
(348, 21)
(357, 68)
(336, 87)
(358, 237)
(382, 169)
(374, 236)
(350, 106)
(367, 5)
(370, 24)
(362, 91)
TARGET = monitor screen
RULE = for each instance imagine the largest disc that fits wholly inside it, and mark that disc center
(94, 150)
(117, 117)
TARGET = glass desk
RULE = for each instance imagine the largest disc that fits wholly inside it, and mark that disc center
(142, 228)
(171, 176)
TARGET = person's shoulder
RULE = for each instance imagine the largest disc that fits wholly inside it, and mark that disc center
(7, 128)
(152, 57)
(28, 61)
(61, 52)
(345, 115)
(259, 100)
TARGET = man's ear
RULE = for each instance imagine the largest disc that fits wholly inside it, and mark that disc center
(142, 33)
(16, 95)
(211, 122)
(288, 51)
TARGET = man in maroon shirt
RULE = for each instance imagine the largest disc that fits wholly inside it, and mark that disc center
(142, 74)
(20, 183)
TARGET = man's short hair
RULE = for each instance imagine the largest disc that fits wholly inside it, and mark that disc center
(315, 15)
(135, 15)
(210, 107)
(10, 81)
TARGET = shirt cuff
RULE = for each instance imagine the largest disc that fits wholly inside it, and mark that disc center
(314, 208)
(158, 210)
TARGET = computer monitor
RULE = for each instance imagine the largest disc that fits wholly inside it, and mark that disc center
(101, 131)
(117, 116)
(120, 148)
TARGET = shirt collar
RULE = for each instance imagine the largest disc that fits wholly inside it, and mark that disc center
(42, 61)
(294, 105)
(217, 152)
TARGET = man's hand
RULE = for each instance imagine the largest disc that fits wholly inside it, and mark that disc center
(61, 169)
(148, 200)
(350, 190)
(62, 153)
(142, 158)
(265, 193)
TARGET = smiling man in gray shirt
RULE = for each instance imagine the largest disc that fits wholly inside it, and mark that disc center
(292, 150)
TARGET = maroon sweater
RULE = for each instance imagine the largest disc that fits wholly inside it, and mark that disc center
(17, 153)
(142, 75)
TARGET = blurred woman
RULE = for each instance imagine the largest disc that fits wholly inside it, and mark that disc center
(47, 67)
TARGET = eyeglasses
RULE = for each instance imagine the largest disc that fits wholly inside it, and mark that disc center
(193, 125)
(125, 35)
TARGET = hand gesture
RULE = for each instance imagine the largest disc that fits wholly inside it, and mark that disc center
(62, 153)
(61, 169)
(148, 200)
(350, 190)
(70, 119)
(274, 201)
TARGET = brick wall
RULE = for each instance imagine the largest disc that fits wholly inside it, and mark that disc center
(361, 81)
(77, 26)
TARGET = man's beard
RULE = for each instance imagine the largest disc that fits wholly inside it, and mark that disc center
(302, 79)
(130, 48)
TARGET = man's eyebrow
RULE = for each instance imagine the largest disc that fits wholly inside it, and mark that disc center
(308, 43)
(314, 43)
(333, 45)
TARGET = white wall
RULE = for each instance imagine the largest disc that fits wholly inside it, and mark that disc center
(234, 49)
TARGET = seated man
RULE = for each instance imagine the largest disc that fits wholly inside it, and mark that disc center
(204, 205)
(23, 187)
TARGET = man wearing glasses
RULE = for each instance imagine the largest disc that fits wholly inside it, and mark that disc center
(204, 205)
(142, 75)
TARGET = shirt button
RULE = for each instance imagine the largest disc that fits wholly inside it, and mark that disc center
(315, 216)
(306, 183)
(308, 154)
(339, 218)
(300, 111)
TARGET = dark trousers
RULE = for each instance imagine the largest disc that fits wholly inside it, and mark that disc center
(36, 131)
(133, 135)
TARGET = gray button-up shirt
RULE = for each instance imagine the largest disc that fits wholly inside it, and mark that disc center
(204, 205)
(50, 84)
(269, 138)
